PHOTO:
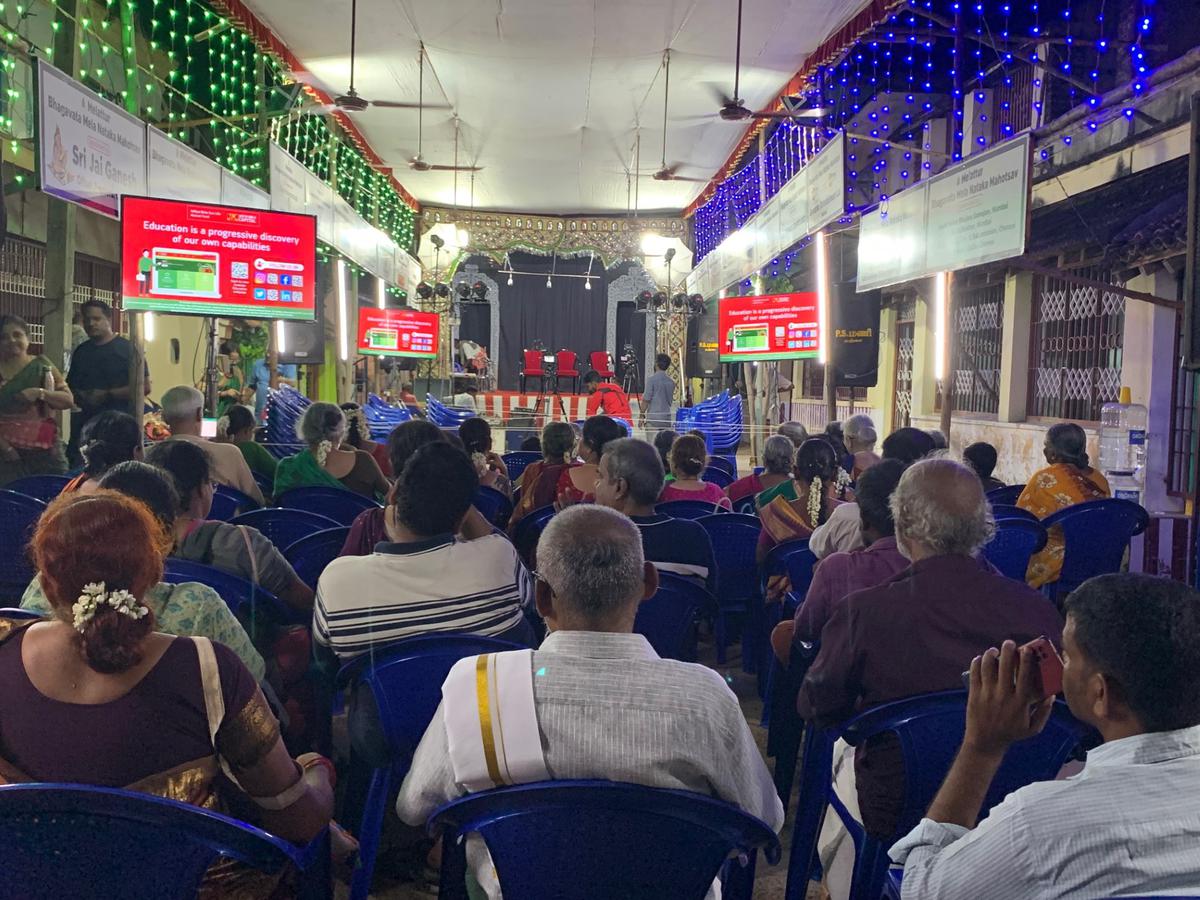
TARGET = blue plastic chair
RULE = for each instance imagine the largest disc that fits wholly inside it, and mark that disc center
(746, 506)
(518, 461)
(688, 509)
(21, 615)
(18, 517)
(529, 529)
(283, 527)
(734, 540)
(1097, 534)
(43, 487)
(535, 833)
(229, 502)
(493, 506)
(312, 553)
(762, 618)
(1003, 511)
(726, 463)
(60, 841)
(1005, 496)
(242, 597)
(668, 619)
(405, 680)
(929, 729)
(1015, 541)
(333, 503)
(717, 476)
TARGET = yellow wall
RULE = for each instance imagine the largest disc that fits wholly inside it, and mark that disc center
(166, 373)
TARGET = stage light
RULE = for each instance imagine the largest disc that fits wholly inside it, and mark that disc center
(679, 302)
(479, 289)
(660, 300)
(343, 312)
(696, 305)
(654, 244)
(510, 279)
(442, 289)
(148, 326)
(669, 254)
(437, 241)
(644, 299)
(464, 290)
(424, 291)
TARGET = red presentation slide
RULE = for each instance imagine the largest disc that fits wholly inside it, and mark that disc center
(208, 260)
(773, 326)
(397, 332)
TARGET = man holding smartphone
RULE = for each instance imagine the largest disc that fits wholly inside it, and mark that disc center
(1130, 822)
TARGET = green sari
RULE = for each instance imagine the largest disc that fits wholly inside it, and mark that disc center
(302, 470)
(28, 430)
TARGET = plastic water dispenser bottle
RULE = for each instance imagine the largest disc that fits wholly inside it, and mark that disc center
(1123, 447)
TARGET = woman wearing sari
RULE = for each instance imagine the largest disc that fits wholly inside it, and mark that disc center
(1068, 480)
(233, 382)
(324, 462)
(162, 715)
(30, 389)
(539, 482)
(786, 520)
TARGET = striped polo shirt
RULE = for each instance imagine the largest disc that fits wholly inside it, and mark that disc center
(438, 584)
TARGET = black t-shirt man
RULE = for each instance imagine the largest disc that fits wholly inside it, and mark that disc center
(99, 373)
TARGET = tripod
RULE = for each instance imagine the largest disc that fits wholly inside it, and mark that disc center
(631, 377)
(542, 396)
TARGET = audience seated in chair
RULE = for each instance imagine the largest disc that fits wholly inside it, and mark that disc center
(97, 696)
(858, 431)
(236, 549)
(778, 453)
(324, 462)
(630, 480)
(238, 427)
(183, 412)
(476, 435)
(187, 610)
(594, 699)
(358, 437)
(1068, 480)
(662, 443)
(107, 440)
(915, 633)
(843, 531)
(981, 457)
(1129, 822)
(423, 579)
(689, 457)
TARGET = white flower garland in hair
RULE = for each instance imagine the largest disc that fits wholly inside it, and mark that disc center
(480, 461)
(95, 596)
(223, 427)
(816, 491)
(361, 426)
(322, 453)
(843, 481)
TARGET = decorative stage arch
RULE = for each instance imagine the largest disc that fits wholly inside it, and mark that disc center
(469, 274)
(624, 289)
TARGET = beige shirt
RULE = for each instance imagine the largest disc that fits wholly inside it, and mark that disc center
(228, 466)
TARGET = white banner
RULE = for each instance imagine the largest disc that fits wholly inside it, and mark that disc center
(792, 201)
(891, 240)
(287, 183)
(237, 191)
(90, 151)
(978, 210)
(177, 172)
(408, 272)
(346, 225)
(827, 184)
(320, 204)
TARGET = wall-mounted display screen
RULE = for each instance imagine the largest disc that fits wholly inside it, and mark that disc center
(773, 326)
(398, 332)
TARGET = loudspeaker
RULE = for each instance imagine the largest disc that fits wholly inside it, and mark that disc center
(702, 345)
(854, 341)
(303, 343)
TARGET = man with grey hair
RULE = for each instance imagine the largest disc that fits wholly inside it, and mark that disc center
(858, 431)
(630, 480)
(916, 633)
(604, 705)
(794, 432)
(183, 413)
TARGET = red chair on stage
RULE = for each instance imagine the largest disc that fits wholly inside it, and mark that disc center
(533, 368)
(568, 361)
(602, 363)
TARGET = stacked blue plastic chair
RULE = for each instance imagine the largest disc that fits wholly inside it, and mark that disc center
(695, 839)
(668, 619)
(446, 416)
(18, 516)
(382, 417)
(311, 554)
(719, 418)
(43, 487)
(284, 409)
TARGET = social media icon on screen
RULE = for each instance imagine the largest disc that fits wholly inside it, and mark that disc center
(272, 278)
(285, 296)
(297, 280)
(285, 279)
(260, 278)
(260, 293)
(272, 295)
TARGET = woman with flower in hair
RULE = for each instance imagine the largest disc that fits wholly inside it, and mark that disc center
(816, 474)
(175, 717)
(324, 462)
(237, 427)
(358, 437)
(476, 436)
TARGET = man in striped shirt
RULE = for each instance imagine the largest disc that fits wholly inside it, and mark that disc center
(424, 579)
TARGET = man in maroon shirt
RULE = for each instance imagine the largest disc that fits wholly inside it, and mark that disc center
(606, 397)
(918, 632)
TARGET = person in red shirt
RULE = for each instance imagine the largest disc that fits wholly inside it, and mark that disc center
(606, 397)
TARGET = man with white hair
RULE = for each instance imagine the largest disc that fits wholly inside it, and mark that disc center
(859, 434)
(595, 700)
(917, 632)
(183, 413)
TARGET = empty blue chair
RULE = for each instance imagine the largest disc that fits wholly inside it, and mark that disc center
(1097, 534)
(43, 487)
(96, 843)
(405, 680)
(493, 506)
(668, 619)
(283, 527)
(688, 509)
(717, 476)
(229, 502)
(1004, 511)
(518, 461)
(529, 529)
(693, 838)
(1015, 541)
(333, 503)
(18, 517)
(734, 540)
(312, 553)
(929, 729)
(243, 598)
(1006, 496)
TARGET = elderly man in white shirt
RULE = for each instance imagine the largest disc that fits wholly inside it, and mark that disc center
(1129, 824)
(601, 702)
(183, 411)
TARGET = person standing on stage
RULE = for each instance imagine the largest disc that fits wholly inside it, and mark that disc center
(659, 396)
(99, 373)
(607, 398)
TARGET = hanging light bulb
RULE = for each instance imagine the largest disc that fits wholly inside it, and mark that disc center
(510, 279)
(587, 284)
(549, 283)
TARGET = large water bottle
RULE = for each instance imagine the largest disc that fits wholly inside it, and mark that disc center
(1123, 446)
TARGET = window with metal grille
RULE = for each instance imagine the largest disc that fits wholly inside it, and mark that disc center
(1181, 441)
(1075, 346)
(906, 336)
(978, 314)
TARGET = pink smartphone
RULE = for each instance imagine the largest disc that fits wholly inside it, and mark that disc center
(1050, 665)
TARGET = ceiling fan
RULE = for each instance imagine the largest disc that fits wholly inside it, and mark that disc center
(665, 172)
(351, 101)
(418, 163)
(733, 108)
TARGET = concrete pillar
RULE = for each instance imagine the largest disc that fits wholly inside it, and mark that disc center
(1014, 347)
(881, 397)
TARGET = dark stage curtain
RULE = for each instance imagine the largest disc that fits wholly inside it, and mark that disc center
(631, 329)
(475, 324)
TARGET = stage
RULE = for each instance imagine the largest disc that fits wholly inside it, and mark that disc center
(498, 405)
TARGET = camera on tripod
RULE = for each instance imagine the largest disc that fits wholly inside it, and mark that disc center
(628, 355)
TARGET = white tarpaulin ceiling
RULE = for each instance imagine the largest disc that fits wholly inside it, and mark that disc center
(550, 94)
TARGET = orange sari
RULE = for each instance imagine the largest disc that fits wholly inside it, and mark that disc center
(782, 520)
(1049, 490)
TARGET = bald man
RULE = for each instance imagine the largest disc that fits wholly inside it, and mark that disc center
(919, 631)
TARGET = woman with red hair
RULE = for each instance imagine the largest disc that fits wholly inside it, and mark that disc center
(164, 715)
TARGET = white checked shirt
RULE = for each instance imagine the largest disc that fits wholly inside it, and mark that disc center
(1128, 824)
